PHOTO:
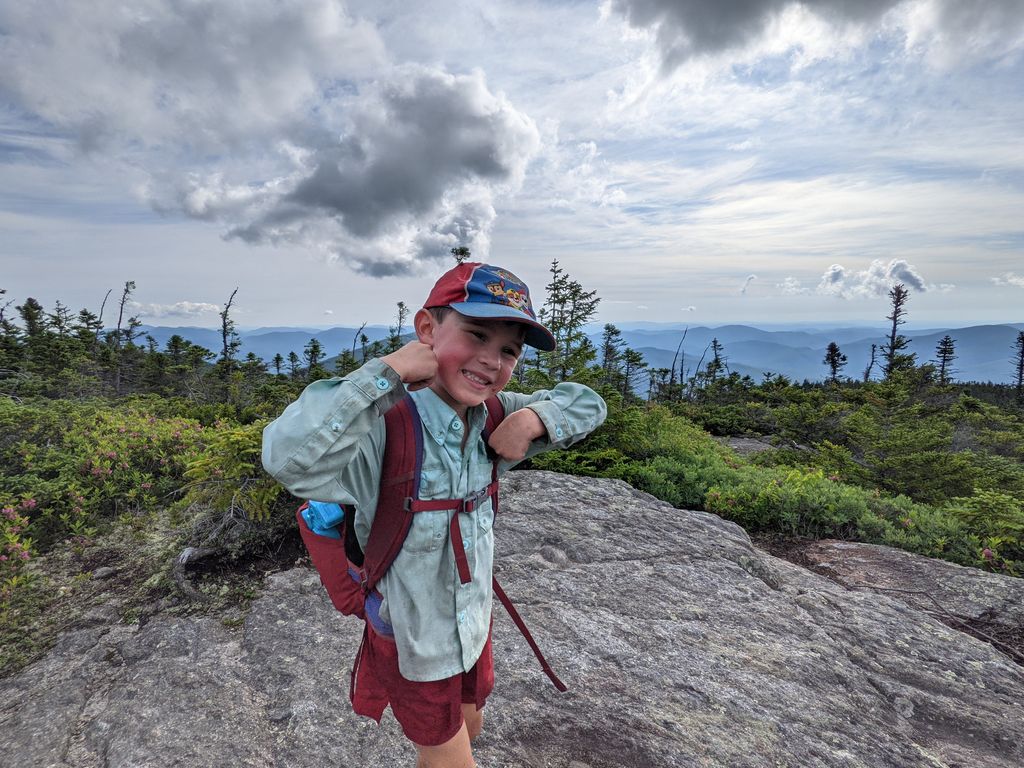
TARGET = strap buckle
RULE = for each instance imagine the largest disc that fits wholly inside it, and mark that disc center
(471, 502)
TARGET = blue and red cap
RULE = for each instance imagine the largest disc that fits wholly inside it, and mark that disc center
(487, 292)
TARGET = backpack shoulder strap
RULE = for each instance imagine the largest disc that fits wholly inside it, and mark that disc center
(495, 415)
(400, 480)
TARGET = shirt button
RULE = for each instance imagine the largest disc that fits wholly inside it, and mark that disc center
(382, 383)
(465, 543)
(457, 425)
(335, 426)
(558, 432)
(462, 617)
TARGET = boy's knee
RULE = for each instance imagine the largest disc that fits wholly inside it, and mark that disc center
(474, 720)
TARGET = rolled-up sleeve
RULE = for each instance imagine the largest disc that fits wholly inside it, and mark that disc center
(569, 412)
(329, 439)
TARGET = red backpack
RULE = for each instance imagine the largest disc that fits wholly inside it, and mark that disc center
(350, 575)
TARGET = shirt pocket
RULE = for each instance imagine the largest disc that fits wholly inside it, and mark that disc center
(427, 532)
(485, 516)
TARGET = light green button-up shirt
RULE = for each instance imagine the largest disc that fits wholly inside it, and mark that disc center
(329, 445)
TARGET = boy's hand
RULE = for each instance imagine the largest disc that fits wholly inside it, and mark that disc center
(513, 436)
(415, 363)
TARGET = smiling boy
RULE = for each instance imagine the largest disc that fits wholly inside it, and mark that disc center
(428, 652)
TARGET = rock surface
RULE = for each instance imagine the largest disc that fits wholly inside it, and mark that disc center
(682, 645)
(922, 582)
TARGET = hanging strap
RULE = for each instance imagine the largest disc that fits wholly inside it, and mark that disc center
(514, 614)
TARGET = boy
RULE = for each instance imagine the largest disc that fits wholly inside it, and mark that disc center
(428, 652)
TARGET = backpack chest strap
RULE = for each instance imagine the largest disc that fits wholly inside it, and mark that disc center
(461, 506)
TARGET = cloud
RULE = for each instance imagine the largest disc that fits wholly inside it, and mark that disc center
(685, 29)
(790, 286)
(328, 311)
(414, 174)
(690, 308)
(746, 284)
(1009, 278)
(876, 280)
(284, 123)
(175, 74)
(184, 309)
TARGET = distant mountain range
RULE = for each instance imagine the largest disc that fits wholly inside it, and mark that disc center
(984, 352)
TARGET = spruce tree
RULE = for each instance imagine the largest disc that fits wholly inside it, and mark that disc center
(835, 360)
(566, 311)
(945, 354)
(312, 354)
(1018, 363)
(893, 350)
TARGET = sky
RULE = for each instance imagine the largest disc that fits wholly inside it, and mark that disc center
(693, 161)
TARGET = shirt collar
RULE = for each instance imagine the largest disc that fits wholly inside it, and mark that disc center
(440, 420)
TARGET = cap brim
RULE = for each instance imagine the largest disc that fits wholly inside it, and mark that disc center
(537, 335)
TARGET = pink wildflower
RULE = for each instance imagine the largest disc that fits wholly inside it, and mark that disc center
(987, 553)
(3, 558)
(28, 504)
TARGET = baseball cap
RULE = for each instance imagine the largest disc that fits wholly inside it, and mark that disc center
(488, 292)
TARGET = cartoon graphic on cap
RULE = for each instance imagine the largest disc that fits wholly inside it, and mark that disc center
(514, 297)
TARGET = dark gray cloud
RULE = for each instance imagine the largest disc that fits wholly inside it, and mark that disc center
(686, 28)
(413, 176)
(285, 123)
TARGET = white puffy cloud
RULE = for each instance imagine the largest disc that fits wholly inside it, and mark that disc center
(179, 74)
(183, 309)
(876, 280)
(790, 286)
(1009, 278)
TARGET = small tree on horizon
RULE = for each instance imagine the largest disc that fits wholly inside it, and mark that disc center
(945, 354)
(1018, 363)
(893, 350)
(835, 360)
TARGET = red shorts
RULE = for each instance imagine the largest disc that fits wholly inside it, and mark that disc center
(430, 713)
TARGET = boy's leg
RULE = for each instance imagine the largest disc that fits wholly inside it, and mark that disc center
(474, 720)
(454, 753)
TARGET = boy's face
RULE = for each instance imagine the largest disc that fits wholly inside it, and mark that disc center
(475, 358)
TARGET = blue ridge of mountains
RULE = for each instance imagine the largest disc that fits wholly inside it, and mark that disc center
(984, 352)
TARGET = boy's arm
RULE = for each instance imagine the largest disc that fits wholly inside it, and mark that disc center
(328, 444)
(564, 415)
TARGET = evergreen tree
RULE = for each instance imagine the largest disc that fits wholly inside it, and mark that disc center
(313, 354)
(892, 351)
(566, 311)
(633, 365)
(293, 364)
(278, 363)
(230, 343)
(118, 338)
(10, 345)
(871, 363)
(611, 355)
(945, 354)
(1018, 364)
(835, 360)
(395, 331)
